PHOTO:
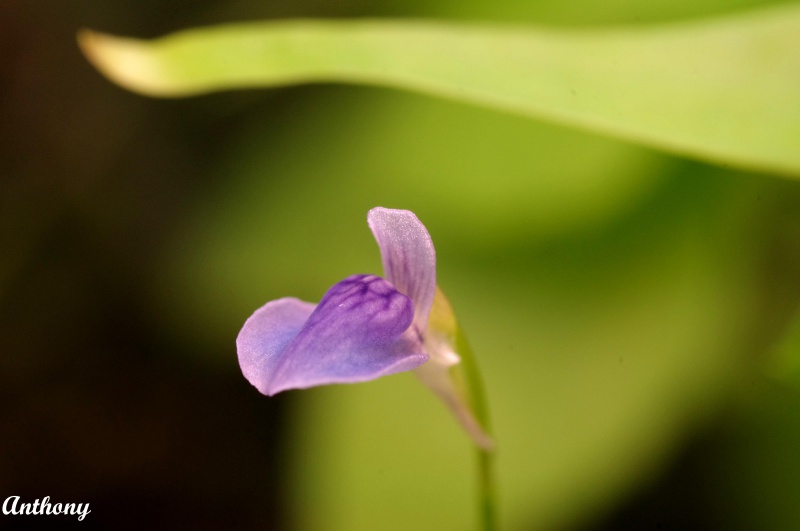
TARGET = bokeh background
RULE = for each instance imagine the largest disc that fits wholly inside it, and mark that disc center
(629, 308)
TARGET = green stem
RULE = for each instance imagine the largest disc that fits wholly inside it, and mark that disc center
(486, 494)
(473, 387)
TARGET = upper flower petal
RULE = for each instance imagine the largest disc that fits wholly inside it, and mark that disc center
(409, 259)
(360, 330)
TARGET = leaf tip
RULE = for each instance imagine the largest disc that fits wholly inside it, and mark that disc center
(124, 61)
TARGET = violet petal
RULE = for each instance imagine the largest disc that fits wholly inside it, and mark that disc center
(360, 330)
(266, 334)
(409, 259)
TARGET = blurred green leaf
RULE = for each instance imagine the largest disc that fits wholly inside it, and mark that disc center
(725, 90)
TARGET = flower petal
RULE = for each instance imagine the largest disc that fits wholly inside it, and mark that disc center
(409, 259)
(266, 334)
(360, 330)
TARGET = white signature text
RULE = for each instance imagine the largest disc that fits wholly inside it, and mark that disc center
(13, 506)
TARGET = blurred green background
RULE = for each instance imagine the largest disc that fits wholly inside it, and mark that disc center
(628, 308)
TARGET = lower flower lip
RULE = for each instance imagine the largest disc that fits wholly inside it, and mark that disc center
(362, 329)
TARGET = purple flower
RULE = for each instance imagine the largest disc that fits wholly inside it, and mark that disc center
(364, 327)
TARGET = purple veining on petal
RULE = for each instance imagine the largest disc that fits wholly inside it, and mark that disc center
(409, 259)
(266, 334)
(360, 330)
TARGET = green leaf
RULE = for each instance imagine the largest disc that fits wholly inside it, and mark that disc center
(725, 90)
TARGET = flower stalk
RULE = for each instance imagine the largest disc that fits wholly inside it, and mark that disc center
(486, 490)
